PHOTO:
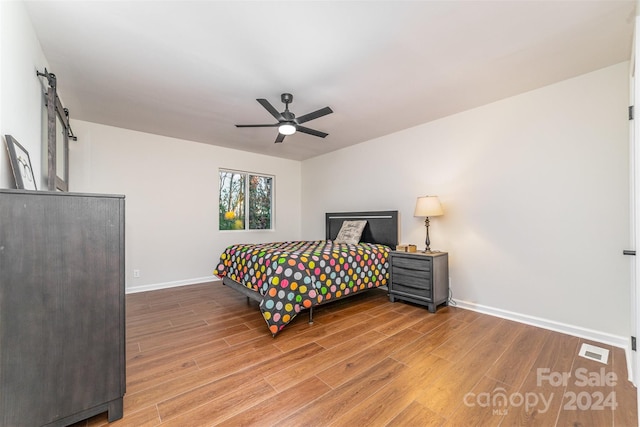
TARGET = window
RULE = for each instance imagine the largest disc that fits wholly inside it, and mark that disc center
(246, 201)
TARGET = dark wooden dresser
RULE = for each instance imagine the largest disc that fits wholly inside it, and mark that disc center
(421, 278)
(62, 346)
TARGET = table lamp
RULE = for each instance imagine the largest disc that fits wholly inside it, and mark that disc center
(425, 207)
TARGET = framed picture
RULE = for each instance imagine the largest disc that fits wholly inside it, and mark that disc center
(21, 165)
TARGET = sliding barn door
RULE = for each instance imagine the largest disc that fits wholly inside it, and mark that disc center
(634, 359)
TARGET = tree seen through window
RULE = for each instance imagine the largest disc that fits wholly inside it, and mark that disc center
(234, 204)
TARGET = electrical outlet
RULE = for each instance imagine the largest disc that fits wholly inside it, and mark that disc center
(136, 273)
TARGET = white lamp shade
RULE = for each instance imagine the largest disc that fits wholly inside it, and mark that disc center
(428, 206)
(287, 129)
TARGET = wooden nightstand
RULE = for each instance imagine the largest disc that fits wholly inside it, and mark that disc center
(421, 278)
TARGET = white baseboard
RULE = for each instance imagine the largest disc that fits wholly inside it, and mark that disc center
(174, 284)
(576, 331)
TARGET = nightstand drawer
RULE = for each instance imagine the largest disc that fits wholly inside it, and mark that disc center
(399, 288)
(407, 272)
(417, 279)
(414, 263)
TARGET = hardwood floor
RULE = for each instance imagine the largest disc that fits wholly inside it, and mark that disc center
(202, 355)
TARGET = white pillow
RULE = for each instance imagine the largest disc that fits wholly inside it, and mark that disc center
(350, 232)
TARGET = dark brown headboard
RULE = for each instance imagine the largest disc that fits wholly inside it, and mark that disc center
(382, 226)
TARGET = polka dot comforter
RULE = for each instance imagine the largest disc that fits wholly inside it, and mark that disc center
(292, 276)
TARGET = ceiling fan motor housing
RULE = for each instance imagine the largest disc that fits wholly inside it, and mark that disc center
(286, 98)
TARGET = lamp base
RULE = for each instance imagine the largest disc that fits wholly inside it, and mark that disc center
(427, 242)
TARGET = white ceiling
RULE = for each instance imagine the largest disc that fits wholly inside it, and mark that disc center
(193, 69)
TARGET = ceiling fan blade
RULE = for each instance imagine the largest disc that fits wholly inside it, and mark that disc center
(319, 113)
(311, 131)
(270, 108)
(259, 126)
(280, 137)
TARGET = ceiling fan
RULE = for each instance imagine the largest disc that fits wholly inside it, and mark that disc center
(288, 124)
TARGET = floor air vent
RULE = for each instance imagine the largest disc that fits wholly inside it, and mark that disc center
(592, 352)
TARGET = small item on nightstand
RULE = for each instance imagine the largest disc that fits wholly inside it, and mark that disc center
(401, 248)
(411, 248)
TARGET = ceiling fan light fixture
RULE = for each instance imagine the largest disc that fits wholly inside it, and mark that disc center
(287, 129)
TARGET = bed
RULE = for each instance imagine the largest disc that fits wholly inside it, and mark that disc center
(286, 278)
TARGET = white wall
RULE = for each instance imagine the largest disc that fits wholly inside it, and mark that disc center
(21, 91)
(171, 189)
(535, 192)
